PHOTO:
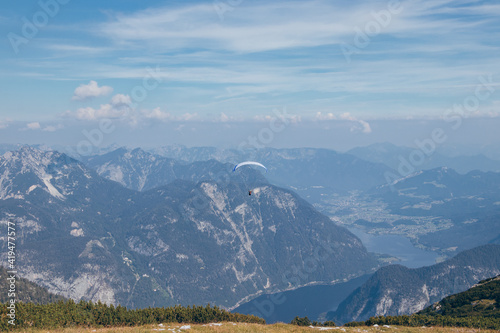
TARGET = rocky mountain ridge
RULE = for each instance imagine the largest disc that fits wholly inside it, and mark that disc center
(398, 290)
(200, 240)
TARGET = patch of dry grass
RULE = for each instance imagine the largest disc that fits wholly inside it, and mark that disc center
(255, 328)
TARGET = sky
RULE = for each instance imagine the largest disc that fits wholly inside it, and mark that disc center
(289, 73)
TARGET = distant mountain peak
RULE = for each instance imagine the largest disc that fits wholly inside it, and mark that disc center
(18, 168)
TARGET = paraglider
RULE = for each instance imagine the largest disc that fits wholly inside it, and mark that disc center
(248, 163)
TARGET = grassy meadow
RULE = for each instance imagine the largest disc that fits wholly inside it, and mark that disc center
(244, 328)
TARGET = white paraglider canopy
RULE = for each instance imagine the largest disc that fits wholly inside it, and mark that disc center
(249, 163)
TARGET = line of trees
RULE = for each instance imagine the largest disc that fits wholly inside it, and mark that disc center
(305, 321)
(418, 320)
(88, 314)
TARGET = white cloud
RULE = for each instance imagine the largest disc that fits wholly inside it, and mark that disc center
(105, 111)
(347, 116)
(485, 114)
(52, 128)
(33, 125)
(4, 124)
(77, 49)
(157, 114)
(366, 128)
(225, 118)
(360, 125)
(265, 26)
(119, 107)
(120, 100)
(324, 116)
(262, 118)
(254, 28)
(293, 119)
(189, 117)
(91, 90)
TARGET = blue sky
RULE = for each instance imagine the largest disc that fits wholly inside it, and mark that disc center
(176, 63)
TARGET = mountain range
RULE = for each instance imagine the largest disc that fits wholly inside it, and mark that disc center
(394, 156)
(199, 239)
(308, 171)
(398, 290)
(447, 203)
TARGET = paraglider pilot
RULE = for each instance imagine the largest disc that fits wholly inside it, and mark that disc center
(248, 163)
